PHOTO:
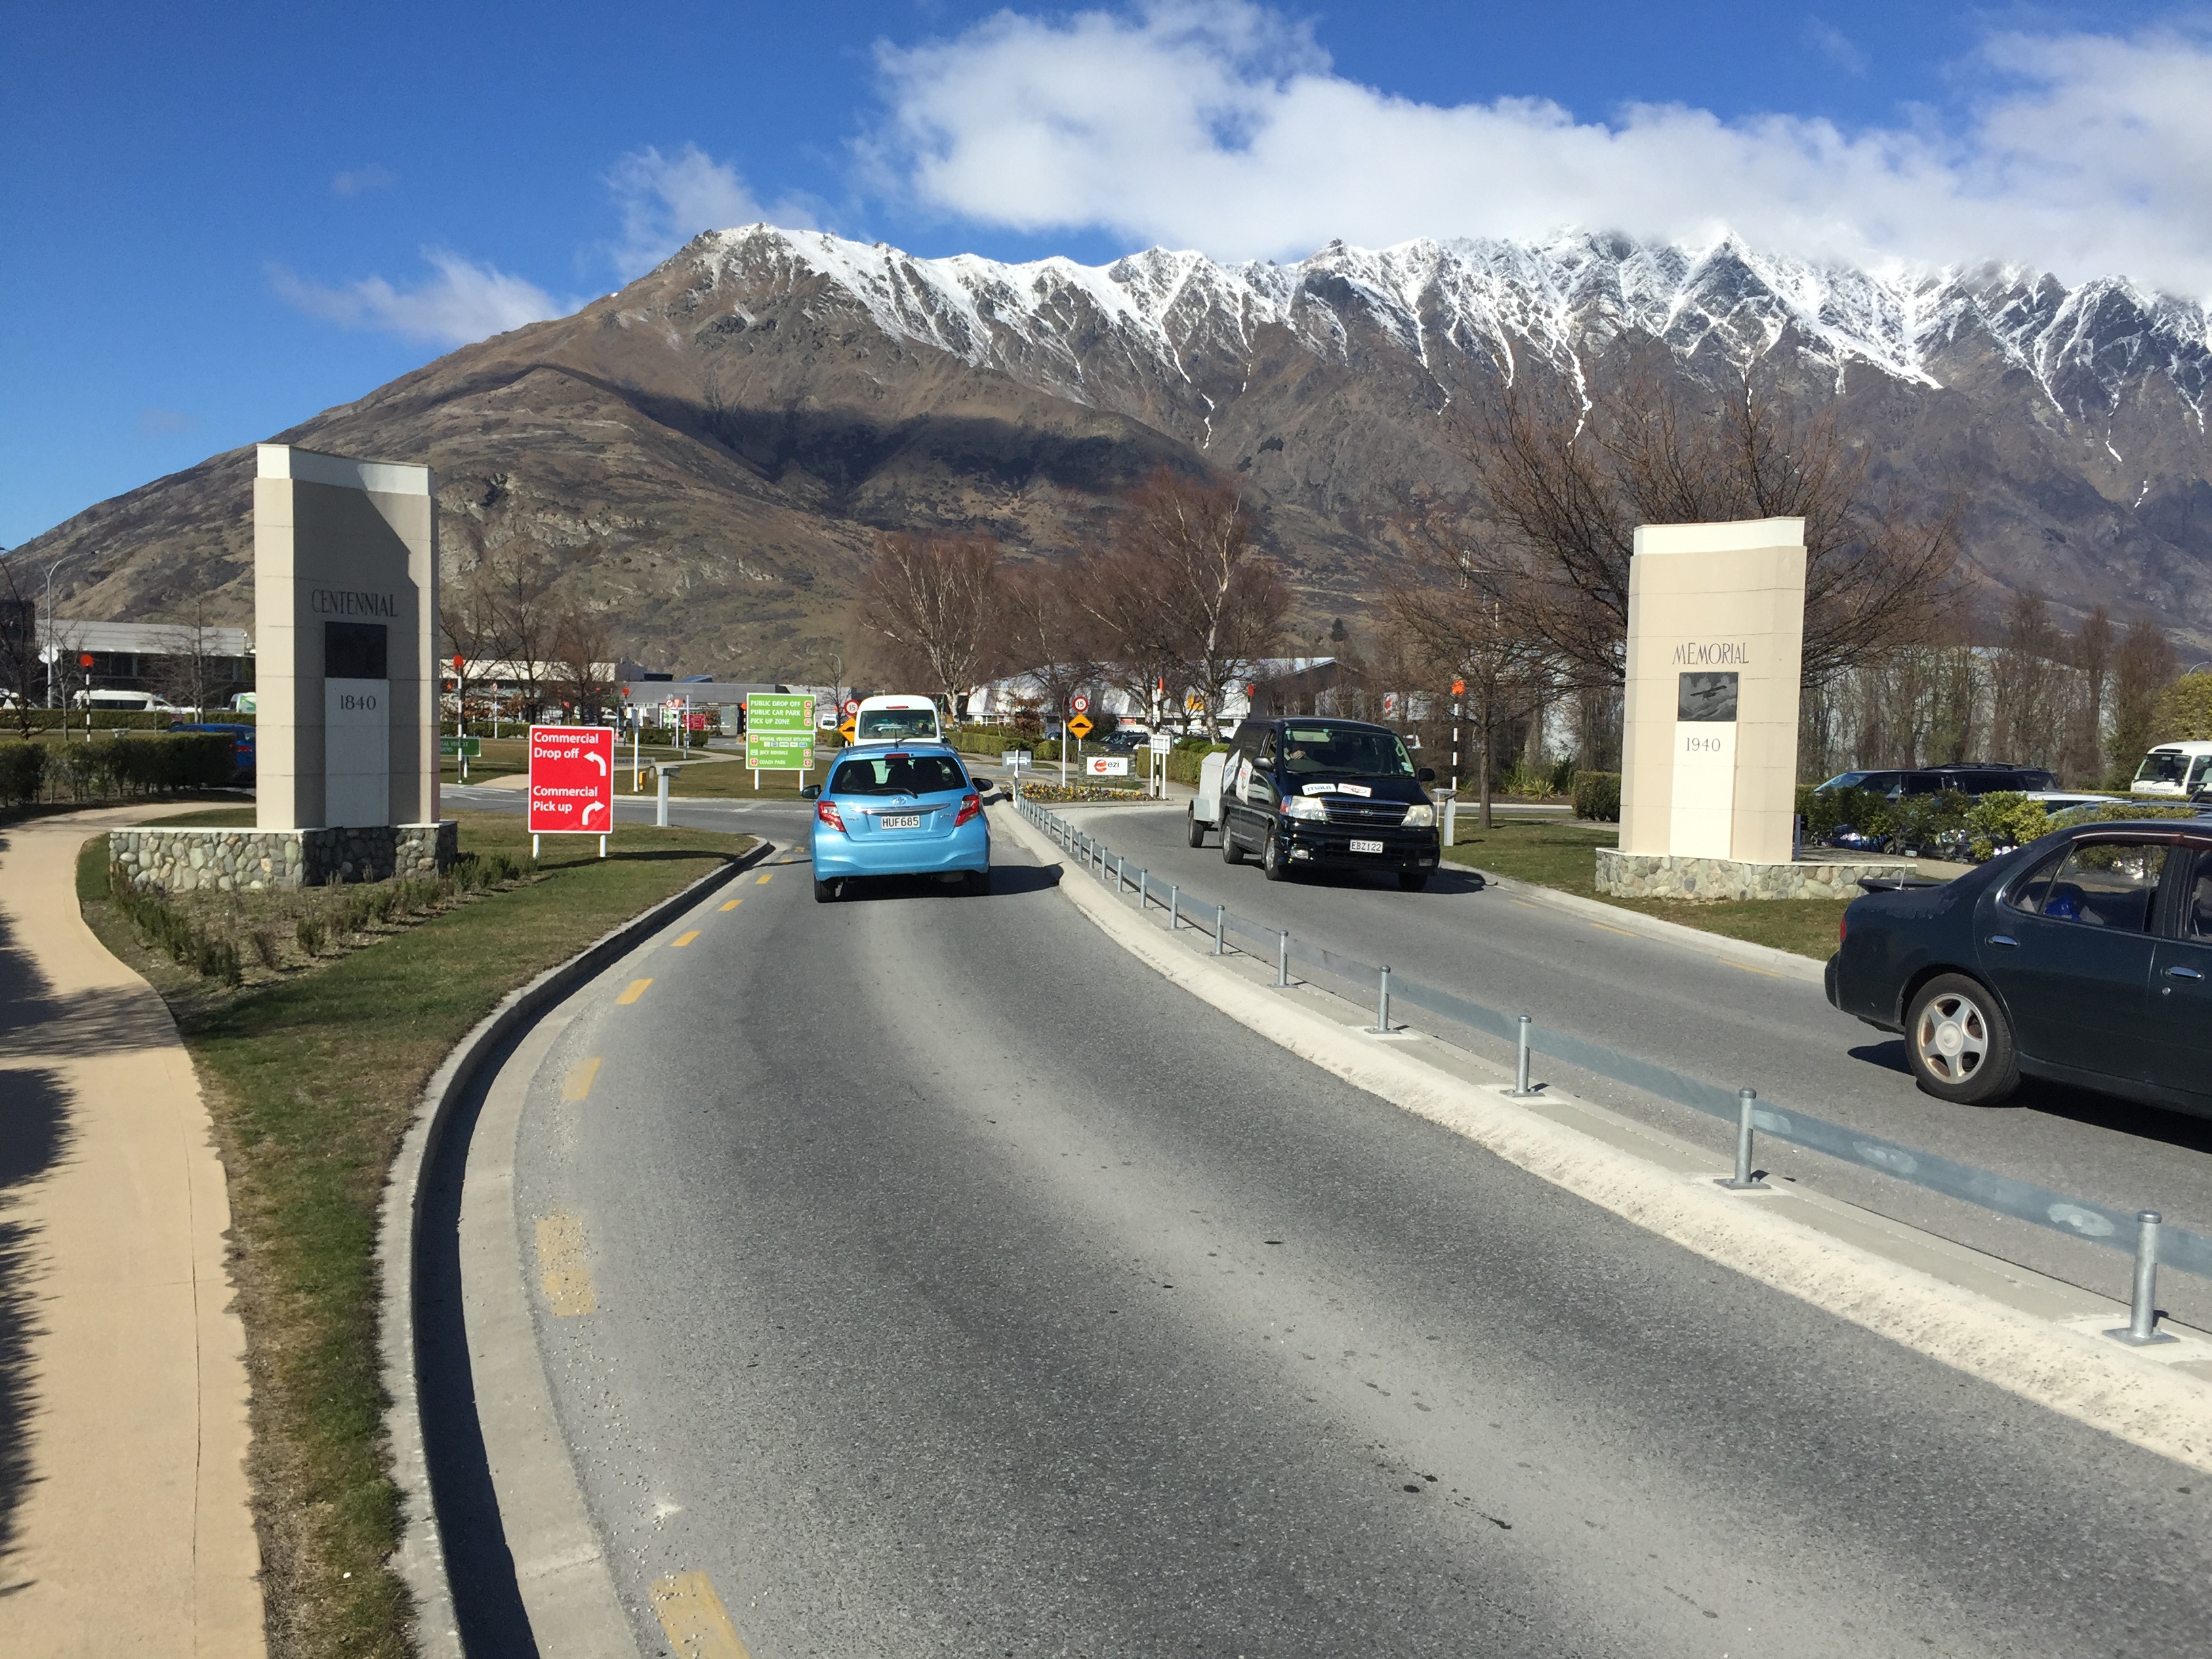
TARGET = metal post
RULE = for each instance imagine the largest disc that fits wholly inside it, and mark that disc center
(1747, 1101)
(1382, 1002)
(660, 813)
(1521, 1089)
(2142, 1329)
(1220, 914)
(1175, 906)
(1283, 958)
(1143, 891)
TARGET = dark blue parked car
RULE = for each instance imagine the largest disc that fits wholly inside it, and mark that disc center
(241, 745)
(2084, 958)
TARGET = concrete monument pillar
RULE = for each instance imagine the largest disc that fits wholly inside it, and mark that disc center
(1709, 751)
(345, 562)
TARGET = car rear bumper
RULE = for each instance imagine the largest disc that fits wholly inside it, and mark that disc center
(837, 856)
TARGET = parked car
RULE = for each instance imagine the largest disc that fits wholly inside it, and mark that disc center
(1977, 779)
(2083, 957)
(1314, 793)
(898, 810)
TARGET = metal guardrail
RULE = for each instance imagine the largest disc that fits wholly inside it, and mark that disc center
(2140, 1233)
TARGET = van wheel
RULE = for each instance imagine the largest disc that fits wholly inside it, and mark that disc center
(1274, 863)
(1959, 1042)
(1193, 832)
(825, 892)
(1231, 852)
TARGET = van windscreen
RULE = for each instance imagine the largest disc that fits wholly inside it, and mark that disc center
(894, 725)
(2163, 766)
(1331, 752)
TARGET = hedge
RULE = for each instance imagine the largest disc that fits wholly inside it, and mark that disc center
(72, 720)
(1598, 797)
(23, 772)
(117, 765)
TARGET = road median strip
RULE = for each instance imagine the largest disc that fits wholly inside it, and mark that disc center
(2025, 1332)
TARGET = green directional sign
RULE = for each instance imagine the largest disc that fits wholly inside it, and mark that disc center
(779, 732)
(450, 747)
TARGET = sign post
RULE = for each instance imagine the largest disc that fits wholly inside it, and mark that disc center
(778, 734)
(1161, 746)
(572, 782)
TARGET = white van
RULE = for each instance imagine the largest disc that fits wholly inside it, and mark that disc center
(897, 718)
(2174, 771)
(107, 699)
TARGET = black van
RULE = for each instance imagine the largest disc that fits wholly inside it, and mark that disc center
(1320, 793)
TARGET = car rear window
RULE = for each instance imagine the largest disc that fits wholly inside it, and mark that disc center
(898, 774)
(2107, 884)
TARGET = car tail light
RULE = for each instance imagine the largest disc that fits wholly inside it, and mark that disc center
(827, 811)
(970, 804)
(1842, 926)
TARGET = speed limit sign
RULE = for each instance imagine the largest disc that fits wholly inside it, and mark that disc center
(1080, 703)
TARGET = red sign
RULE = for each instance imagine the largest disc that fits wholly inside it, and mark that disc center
(457, 665)
(1080, 703)
(572, 779)
(851, 705)
(698, 719)
(84, 660)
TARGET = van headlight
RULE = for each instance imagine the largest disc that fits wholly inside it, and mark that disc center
(1420, 817)
(1306, 806)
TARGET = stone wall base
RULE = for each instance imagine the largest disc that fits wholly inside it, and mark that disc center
(190, 860)
(1656, 875)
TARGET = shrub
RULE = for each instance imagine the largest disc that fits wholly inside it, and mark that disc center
(308, 930)
(2184, 713)
(1597, 796)
(23, 772)
(264, 947)
(2000, 820)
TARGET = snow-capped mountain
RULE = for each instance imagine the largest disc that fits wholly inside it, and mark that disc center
(709, 454)
(1160, 314)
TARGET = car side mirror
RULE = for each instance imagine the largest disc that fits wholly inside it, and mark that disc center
(1426, 774)
(812, 792)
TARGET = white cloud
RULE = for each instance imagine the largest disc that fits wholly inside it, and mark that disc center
(356, 180)
(1217, 124)
(1833, 43)
(462, 302)
(157, 422)
(666, 200)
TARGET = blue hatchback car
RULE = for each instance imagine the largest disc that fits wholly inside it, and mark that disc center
(904, 809)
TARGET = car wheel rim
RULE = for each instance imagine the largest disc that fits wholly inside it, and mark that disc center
(1952, 1038)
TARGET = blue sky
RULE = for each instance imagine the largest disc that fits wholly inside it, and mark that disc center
(222, 220)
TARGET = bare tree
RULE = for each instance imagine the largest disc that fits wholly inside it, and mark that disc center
(932, 600)
(581, 654)
(2026, 685)
(519, 586)
(2085, 737)
(1471, 627)
(189, 673)
(20, 667)
(2142, 667)
(1045, 631)
(1567, 485)
(1191, 586)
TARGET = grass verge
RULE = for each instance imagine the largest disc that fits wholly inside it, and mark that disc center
(311, 1081)
(1560, 855)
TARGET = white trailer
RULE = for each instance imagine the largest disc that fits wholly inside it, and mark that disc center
(1204, 810)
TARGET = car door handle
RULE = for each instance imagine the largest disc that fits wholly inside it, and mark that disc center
(2005, 940)
(2182, 973)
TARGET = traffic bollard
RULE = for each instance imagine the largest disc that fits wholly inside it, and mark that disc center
(1382, 1001)
(1144, 890)
(1175, 906)
(2142, 1329)
(1220, 914)
(1747, 1101)
(1521, 1089)
(1283, 958)
(661, 812)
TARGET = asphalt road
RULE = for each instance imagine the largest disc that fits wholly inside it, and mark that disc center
(960, 1288)
(1707, 1016)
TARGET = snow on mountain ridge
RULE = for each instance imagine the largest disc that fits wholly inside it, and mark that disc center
(1046, 321)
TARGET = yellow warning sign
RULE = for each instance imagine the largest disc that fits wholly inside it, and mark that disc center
(1080, 725)
(847, 727)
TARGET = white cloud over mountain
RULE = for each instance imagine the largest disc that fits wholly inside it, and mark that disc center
(1219, 124)
(666, 200)
(461, 301)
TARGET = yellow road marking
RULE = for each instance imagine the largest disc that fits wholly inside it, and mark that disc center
(578, 1085)
(561, 1268)
(733, 904)
(683, 939)
(636, 990)
(1748, 968)
(1525, 905)
(698, 1624)
(765, 874)
(1623, 932)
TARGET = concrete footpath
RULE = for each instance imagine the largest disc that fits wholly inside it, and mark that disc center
(126, 1524)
